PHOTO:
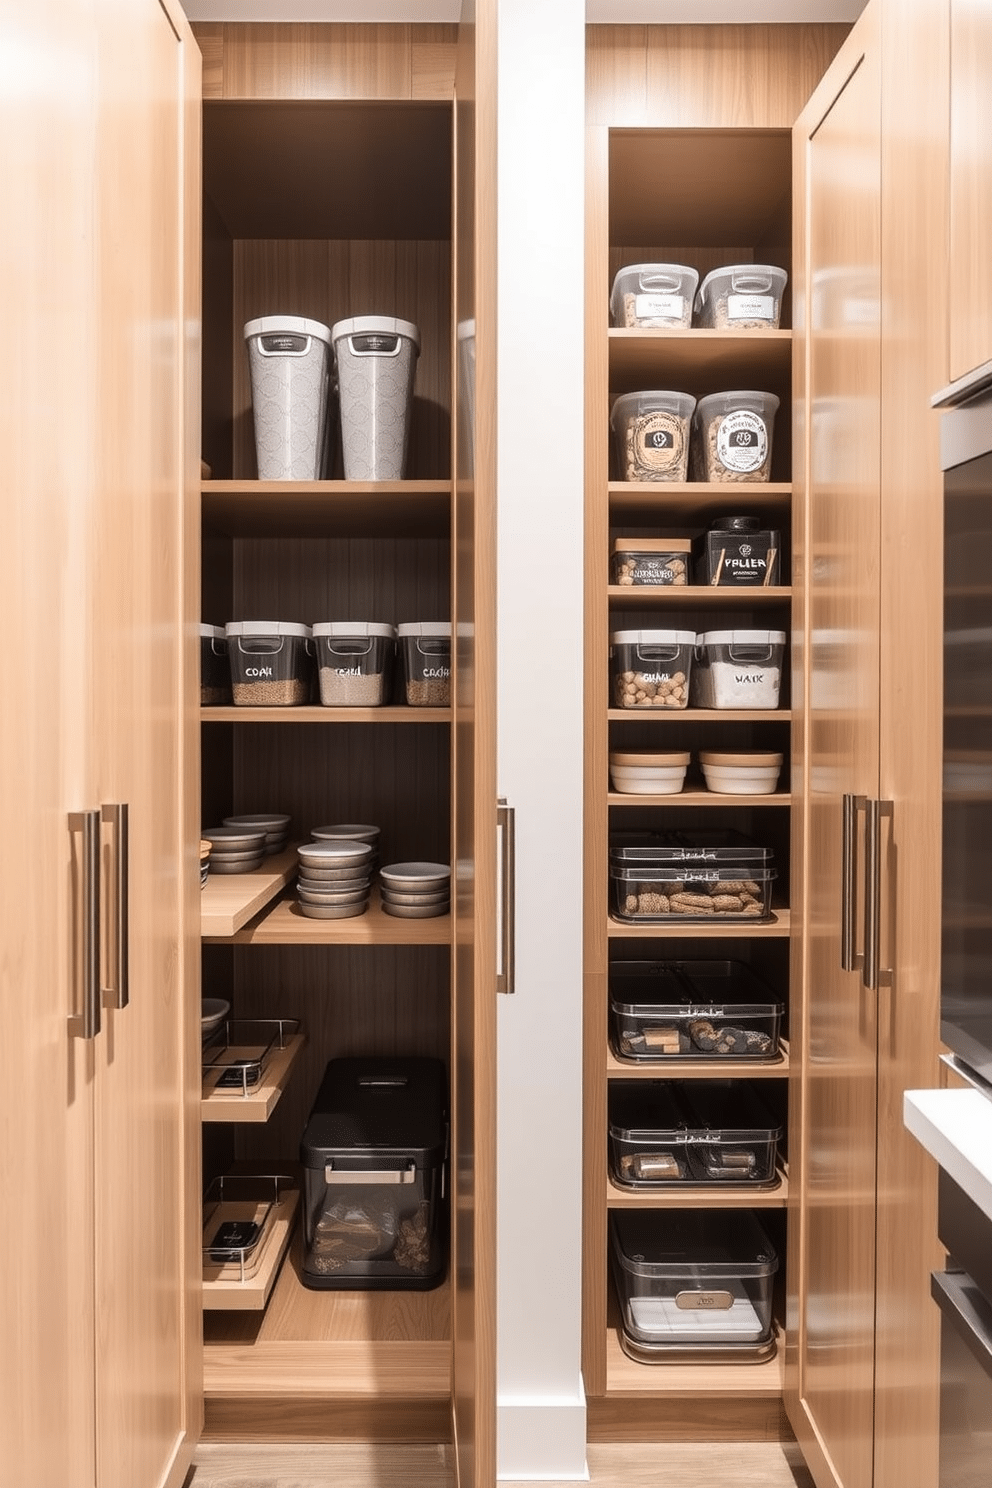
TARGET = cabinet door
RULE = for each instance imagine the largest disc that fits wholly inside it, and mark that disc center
(970, 186)
(837, 145)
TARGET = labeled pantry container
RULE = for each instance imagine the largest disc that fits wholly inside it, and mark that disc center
(271, 663)
(691, 1133)
(741, 297)
(289, 358)
(667, 1011)
(425, 646)
(737, 551)
(738, 669)
(215, 669)
(651, 668)
(376, 363)
(655, 562)
(715, 875)
(655, 296)
(373, 1155)
(693, 1285)
(354, 662)
(732, 436)
(651, 434)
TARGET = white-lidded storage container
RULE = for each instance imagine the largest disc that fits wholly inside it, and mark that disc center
(741, 297)
(651, 430)
(732, 436)
(425, 646)
(654, 295)
(270, 663)
(354, 662)
(738, 669)
(648, 774)
(376, 362)
(289, 358)
(740, 774)
(651, 668)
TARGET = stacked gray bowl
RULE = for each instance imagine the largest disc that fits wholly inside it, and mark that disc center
(275, 825)
(416, 891)
(235, 849)
(335, 879)
(351, 832)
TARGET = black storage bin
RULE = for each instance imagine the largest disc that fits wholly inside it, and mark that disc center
(373, 1155)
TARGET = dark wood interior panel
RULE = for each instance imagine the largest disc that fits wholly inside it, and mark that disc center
(391, 580)
(217, 368)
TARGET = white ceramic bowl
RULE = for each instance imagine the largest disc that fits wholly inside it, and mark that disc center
(665, 780)
(741, 774)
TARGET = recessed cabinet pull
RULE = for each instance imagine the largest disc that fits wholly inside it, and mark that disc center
(871, 975)
(851, 959)
(119, 984)
(88, 823)
(506, 949)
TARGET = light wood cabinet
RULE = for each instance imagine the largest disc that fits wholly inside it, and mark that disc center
(969, 210)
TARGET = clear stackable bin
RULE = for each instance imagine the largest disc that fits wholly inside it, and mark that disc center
(215, 669)
(425, 647)
(271, 663)
(658, 562)
(738, 669)
(741, 297)
(651, 668)
(653, 295)
(715, 875)
(671, 1011)
(732, 436)
(693, 1283)
(691, 1133)
(651, 432)
(354, 662)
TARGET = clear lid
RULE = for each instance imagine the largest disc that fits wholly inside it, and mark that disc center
(424, 628)
(361, 629)
(747, 279)
(742, 638)
(652, 278)
(671, 1243)
(287, 325)
(705, 847)
(717, 405)
(266, 628)
(653, 638)
(375, 325)
(653, 988)
(632, 405)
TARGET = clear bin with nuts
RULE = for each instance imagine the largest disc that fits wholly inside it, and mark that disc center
(655, 296)
(271, 663)
(732, 437)
(651, 430)
(354, 662)
(707, 875)
(741, 297)
(691, 1132)
(651, 668)
(672, 1011)
(655, 562)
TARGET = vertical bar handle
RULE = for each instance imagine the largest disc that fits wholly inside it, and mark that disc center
(871, 969)
(119, 989)
(849, 960)
(506, 948)
(88, 822)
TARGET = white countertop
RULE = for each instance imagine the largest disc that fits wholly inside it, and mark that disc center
(955, 1127)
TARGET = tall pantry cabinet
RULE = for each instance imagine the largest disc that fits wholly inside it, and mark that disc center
(100, 165)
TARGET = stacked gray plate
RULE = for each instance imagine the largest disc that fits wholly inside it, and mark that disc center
(350, 832)
(235, 849)
(335, 879)
(416, 891)
(275, 825)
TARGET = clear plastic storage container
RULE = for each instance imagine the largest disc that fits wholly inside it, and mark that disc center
(732, 436)
(738, 669)
(653, 295)
(425, 646)
(354, 662)
(271, 663)
(741, 297)
(657, 562)
(651, 668)
(715, 875)
(215, 669)
(670, 1011)
(651, 431)
(693, 1283)
(691, 1133)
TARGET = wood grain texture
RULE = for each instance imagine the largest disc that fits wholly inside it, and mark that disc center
(699, 1424)
(969, 210)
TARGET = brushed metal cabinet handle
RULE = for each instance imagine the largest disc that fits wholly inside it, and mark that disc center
(851, 959)
(506, 946)
(88, 823)
(871, 971)
(119, 989)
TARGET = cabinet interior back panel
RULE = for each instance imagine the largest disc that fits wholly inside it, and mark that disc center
(334, 279)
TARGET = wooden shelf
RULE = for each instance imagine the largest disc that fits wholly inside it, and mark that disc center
(697, 596)
(252, 1294)
(778, 927)
(715, 1197)
(674, 503)
(230, 900)
(315, 713)
(701, 715)
(698, 1069)
(681, 1380)
(698, 795)
(700, 361)
(285, 925)
(230, 1106)
(413, 508)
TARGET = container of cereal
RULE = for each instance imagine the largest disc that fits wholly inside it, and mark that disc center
(425, 646)
(354, 662)
(657, 562)
(651, 430)
(738, 669)
(271, 665)
(653, 295)
(671, 1011)
(732, 436)
(741, 297)
(215, 670)
(651, 668)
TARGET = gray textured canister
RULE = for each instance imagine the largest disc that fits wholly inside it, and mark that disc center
(289, 358)
(376, 360)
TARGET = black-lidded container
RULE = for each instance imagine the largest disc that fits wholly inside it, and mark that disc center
(739, 552)
(373, 1155)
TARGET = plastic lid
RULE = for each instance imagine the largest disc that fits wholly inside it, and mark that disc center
(747, 278)
(375, 325)
(653, 638)
(682, 1243)
(287, 325)
(652, 544)
(629, 405)
(656, 278)
(737, 761)
(353, 628)
(735, 524)
(650, 761)
(266, 628)
(425, 628)
(717, 403)
(212, 632)
(742, 638)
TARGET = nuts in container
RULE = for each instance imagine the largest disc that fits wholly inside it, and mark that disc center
(732, 436)
(655, 561)
(653, 296)
(651, 668)
(651, 430)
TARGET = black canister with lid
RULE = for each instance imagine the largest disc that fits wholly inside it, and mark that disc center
(738, 551)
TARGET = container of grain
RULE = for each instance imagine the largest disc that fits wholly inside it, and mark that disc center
(271, 665)
(376, 361)
(741, 297)
(354, 662)
(425, 646)
(215, 671)
(289, 358)
(651, 430)
(653, 295)
(657, 562)
(732, 436)
(651, 668)
(738, 669)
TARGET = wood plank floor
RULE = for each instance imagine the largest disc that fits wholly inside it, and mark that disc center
(369, 1465)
